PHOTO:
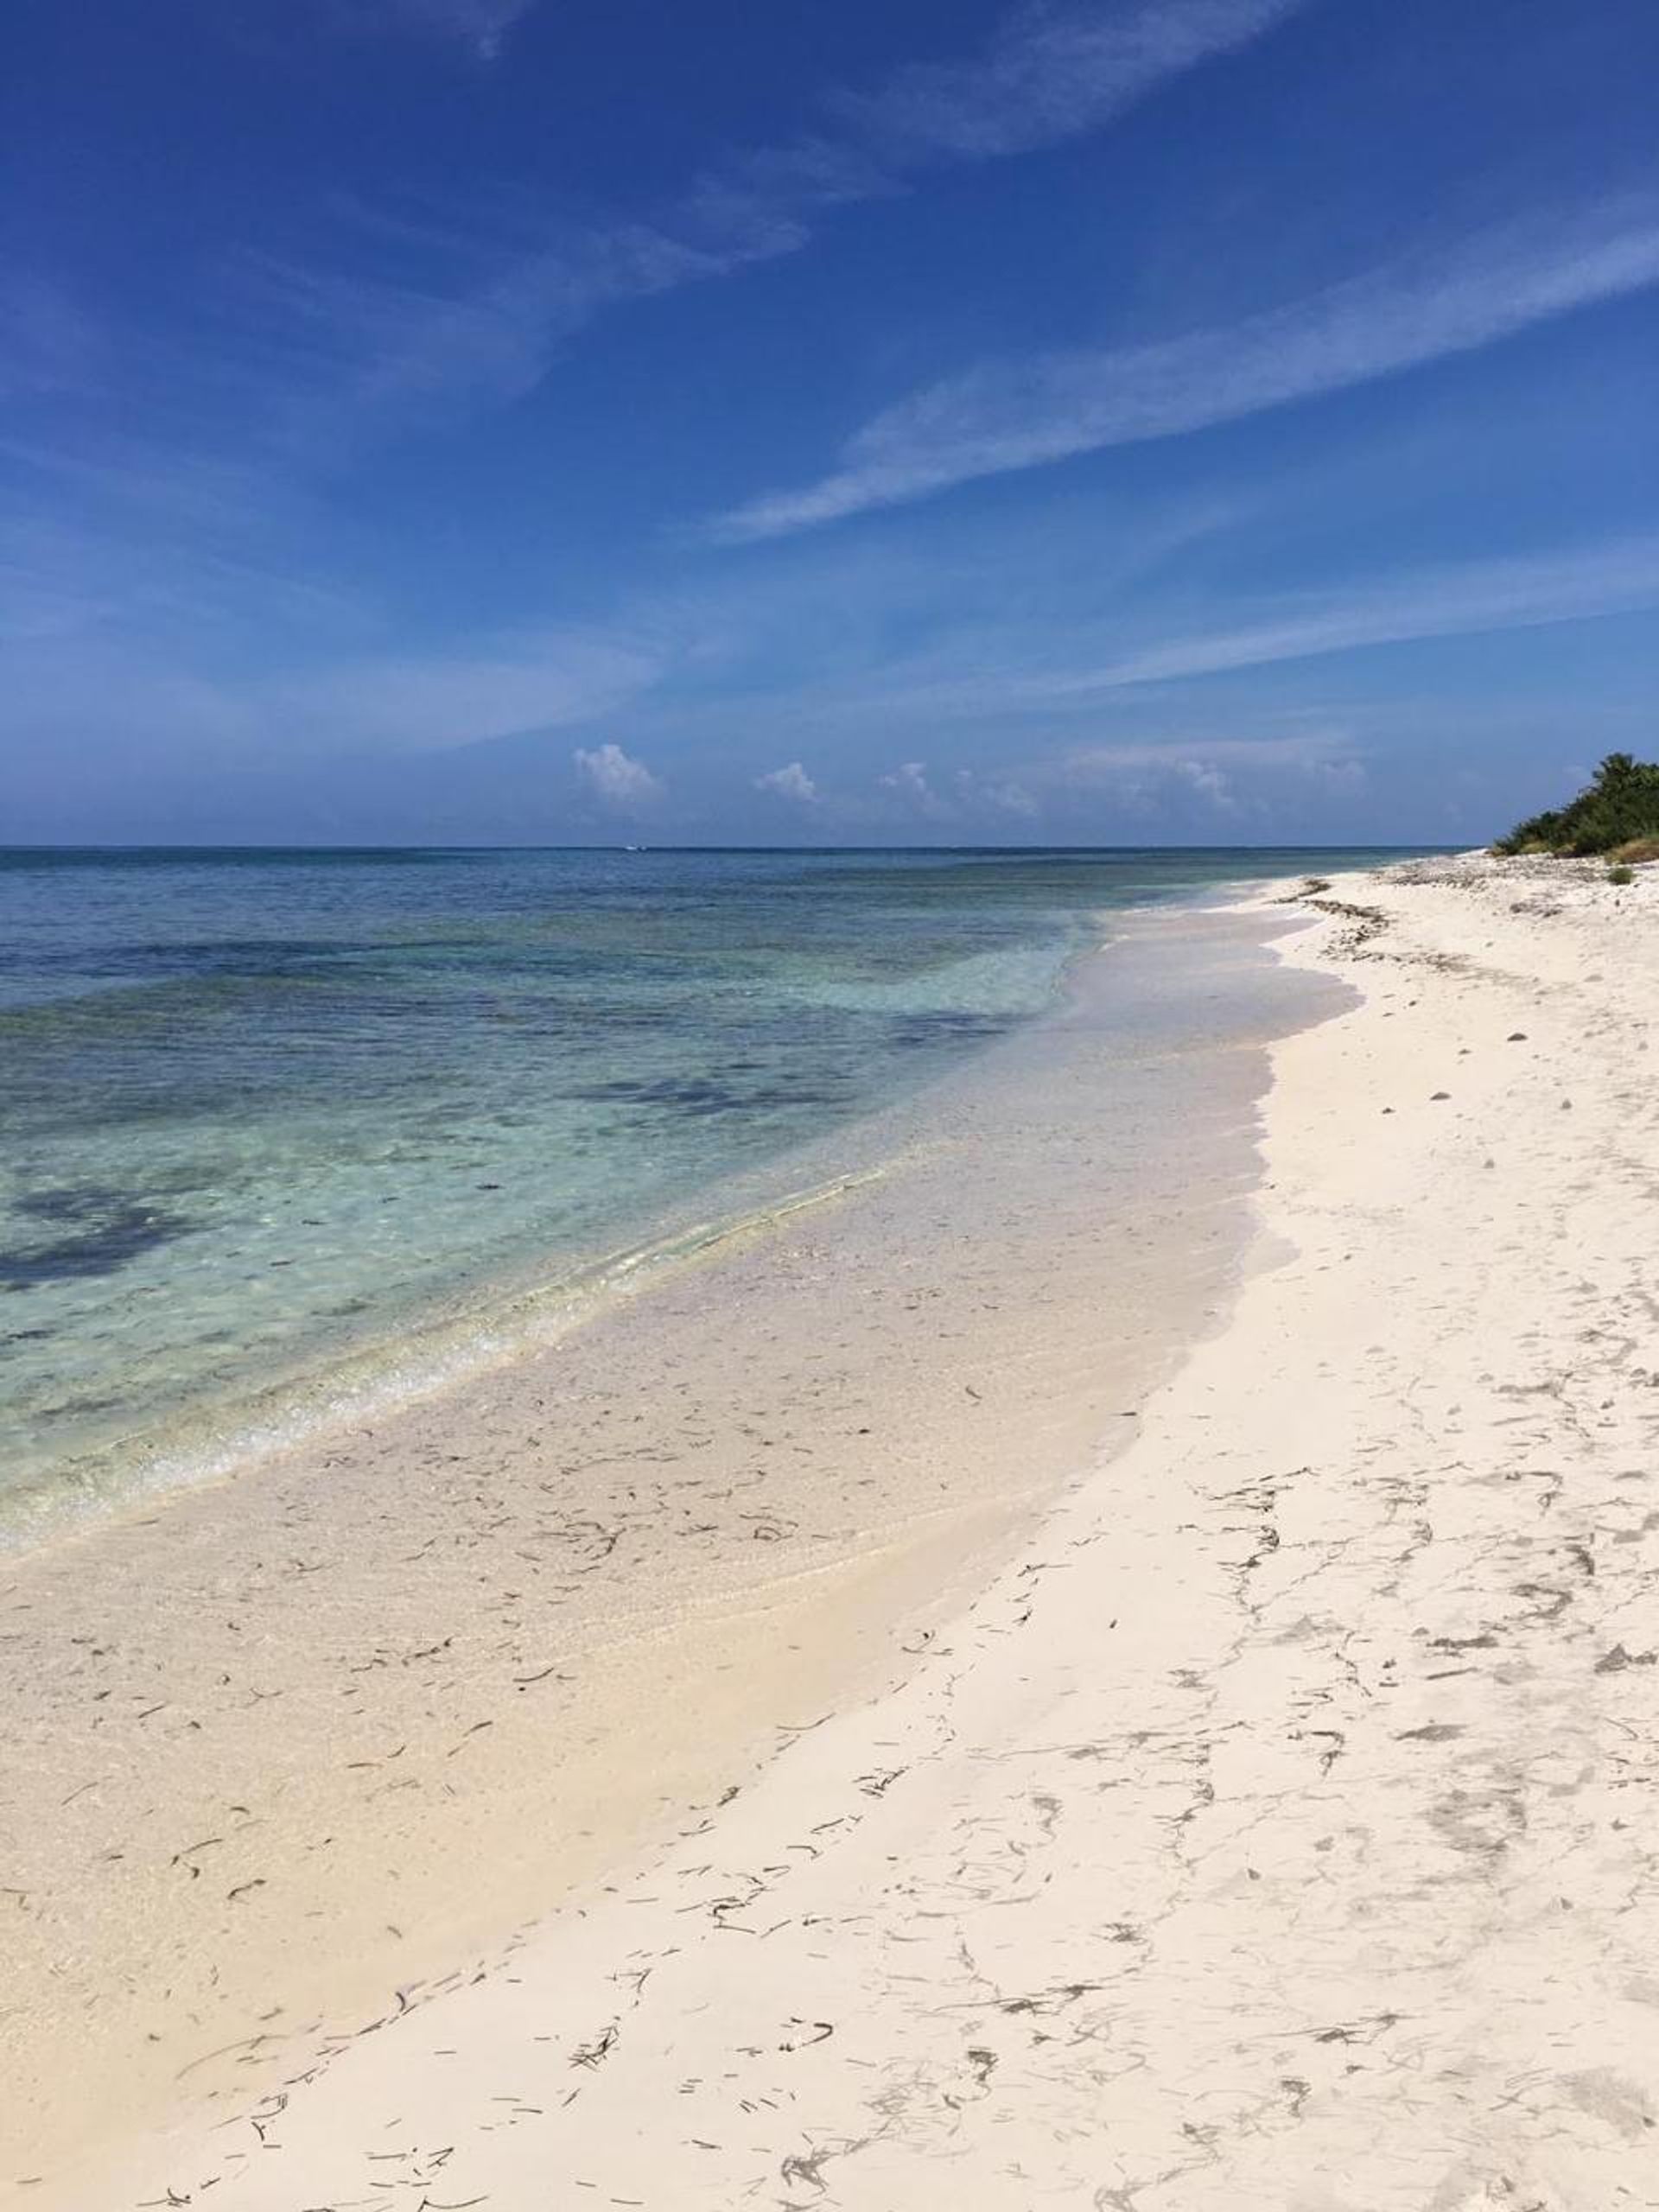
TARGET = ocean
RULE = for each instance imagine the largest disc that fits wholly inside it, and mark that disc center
(286, 1131)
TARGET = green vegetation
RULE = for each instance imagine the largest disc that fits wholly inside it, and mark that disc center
(1618, 815)
(1621, 875)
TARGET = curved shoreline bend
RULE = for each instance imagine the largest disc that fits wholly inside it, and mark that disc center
(1276, 1828)
(288, 1752)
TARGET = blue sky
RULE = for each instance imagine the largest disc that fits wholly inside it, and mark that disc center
(1216, 421)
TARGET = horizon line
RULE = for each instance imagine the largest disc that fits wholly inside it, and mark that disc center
(359, 845)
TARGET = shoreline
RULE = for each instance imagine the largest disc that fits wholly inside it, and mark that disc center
(1274, 1826)
(192, 1312)
(439, 1348)
(244, 1807)
(381, 1376)
(1277, 1828)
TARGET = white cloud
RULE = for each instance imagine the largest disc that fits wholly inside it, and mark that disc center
(910, 779)
(908, 782)
(793, 782)
(616, 779)
(1019, 414)
(1206, 780)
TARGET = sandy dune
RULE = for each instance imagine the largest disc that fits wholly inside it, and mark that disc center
(1279, 1831)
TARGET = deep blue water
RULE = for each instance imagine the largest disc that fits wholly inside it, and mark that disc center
(259, 1108)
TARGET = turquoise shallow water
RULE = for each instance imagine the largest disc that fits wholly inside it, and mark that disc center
(264, 1113)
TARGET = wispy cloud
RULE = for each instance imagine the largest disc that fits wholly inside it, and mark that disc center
(176, 683)
(452, 337)
(480, 24)
(1050, 74)
(493, 689)
(1531, 592)
(382, 341)
(394, 318)
(50, 343)
(347, 324)
(1208, 763)
(1016, 414)
(989, 661)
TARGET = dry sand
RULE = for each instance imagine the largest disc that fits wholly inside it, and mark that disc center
(1277, 1830)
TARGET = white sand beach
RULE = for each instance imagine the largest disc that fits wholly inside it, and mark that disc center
(1266, 1818)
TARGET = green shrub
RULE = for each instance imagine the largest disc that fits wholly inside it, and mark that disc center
(1621, 875)
(1618, 810)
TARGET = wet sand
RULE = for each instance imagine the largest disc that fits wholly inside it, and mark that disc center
(292, 1754)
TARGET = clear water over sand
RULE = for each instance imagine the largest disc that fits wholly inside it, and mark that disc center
(276, 1126)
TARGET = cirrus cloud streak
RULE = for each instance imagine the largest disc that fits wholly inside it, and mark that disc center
(1021, 414)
